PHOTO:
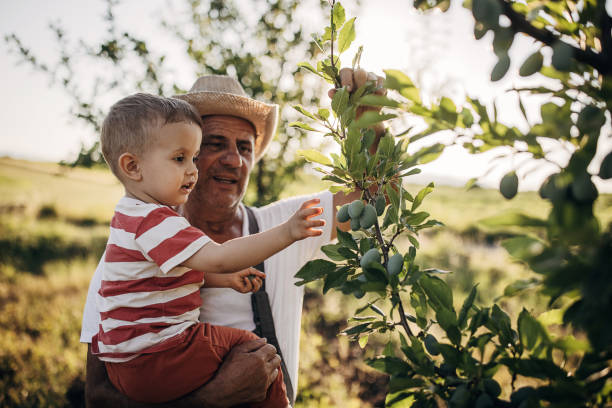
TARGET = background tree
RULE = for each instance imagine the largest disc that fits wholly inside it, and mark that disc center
(448, 356)
(260, 45)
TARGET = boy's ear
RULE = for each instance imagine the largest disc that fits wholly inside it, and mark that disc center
(130, 166)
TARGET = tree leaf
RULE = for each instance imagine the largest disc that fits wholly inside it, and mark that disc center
(314, 156)
(465, 308)
(339, 101)
(605, 170)
(363, 341)
(397, 80)
(529, 329)
(535, 367)
(338, 14)
(500, 69)
(421, 195)
(532, 64)
(302, 125)
(309, 67)
(487, 11)
(401, 382)
(313, 270)
(523, 248)
(370, 118)
(438, 292)
(378, 100)
(304, 112)
(562, 56)
(347, 36)
(520, 285)
(590, 120)
(346, 239)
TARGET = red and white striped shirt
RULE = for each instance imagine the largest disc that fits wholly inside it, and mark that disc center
(146, 299)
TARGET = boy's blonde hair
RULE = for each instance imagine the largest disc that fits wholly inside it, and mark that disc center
(129, 124)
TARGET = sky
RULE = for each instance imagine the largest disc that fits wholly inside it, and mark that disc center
(438, 50)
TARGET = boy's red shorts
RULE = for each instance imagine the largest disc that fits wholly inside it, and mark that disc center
(170, 374)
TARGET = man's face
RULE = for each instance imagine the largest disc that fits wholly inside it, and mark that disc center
(225, 162)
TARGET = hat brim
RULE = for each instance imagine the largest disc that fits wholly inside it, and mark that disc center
(263, 116)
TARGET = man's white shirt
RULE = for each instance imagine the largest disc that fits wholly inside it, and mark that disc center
(226, 307)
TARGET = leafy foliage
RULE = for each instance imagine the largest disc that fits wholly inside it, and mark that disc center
(260, 46)
(453, 354)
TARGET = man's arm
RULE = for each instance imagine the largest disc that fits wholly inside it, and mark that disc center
(245, 376)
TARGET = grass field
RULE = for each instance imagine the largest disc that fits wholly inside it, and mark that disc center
(53, 224)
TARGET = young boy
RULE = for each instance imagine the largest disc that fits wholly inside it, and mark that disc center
(154, 348)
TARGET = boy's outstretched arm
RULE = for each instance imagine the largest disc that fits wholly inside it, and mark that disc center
(240, 253)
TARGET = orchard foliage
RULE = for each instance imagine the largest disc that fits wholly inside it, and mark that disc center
(459, 354)
(259, 45)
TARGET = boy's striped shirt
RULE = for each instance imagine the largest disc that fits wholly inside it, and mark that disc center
(146, 299)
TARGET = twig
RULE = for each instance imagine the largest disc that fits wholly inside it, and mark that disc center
(520, 24)
(403, 318)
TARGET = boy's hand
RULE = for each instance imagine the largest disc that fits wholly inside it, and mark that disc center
(246, 280)
(301, 226)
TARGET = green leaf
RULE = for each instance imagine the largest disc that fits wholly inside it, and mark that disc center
(309, 67)
(562, 56)
(501, 321)
(347, 36)
(370, 118)
(399, 383)
(467, 117)
(530, 330)
(314, 270)
(304, 112)
(389, 365)
(520, 285)
(550, 317)
(339, 101)
(532, 64)
(400, 82)
(332, 252)
(378, 100)
(508, 185)
(377, 310)
(339, 15)
(323, 113)
(487, 11)
(356, 330)
(413, 241)
(416, 218)
(302, 125)
(502, 40)
(590, 120)
(534, 367)
(336, 279)
(605, 170)
(523, 248)
(465, 308)
(421, 195)
(437, 291)
(346, 239)
(314, 156)
(363, 341)
(500, 69)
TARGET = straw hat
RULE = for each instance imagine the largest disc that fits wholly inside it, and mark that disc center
(223, 95)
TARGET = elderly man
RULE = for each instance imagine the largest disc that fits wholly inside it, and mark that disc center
(236, 131)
